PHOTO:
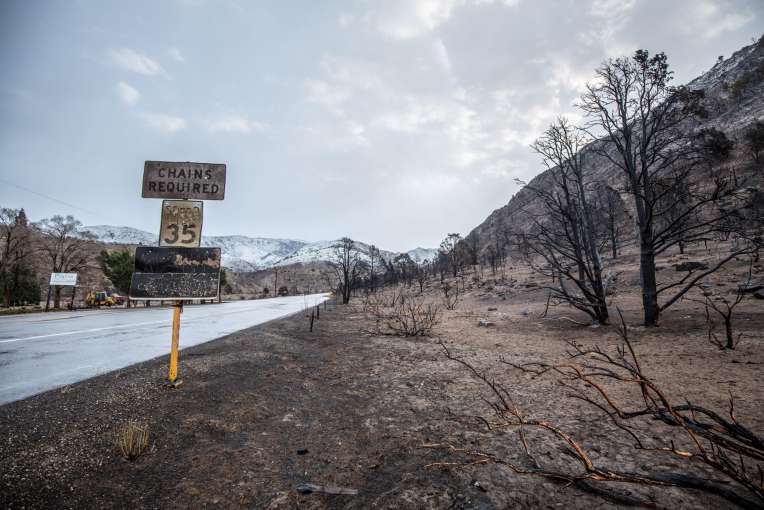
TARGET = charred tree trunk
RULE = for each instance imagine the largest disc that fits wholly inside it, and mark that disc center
(649, 284)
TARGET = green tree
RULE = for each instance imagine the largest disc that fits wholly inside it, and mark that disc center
(23, 285)
(15, 250)
(118, 267)
(224, 285)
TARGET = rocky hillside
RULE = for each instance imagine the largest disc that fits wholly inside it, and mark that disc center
(734, 99)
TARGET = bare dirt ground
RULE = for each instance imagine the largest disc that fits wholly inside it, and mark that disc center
(266, 409)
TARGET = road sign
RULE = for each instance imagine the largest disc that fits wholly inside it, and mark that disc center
(200, 181)
(63, 279)
(179, 269)
(181, 223)
(175, 273)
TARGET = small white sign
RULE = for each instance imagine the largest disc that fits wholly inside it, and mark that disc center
(63, 279)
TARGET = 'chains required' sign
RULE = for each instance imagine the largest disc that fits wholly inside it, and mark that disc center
(199, 181)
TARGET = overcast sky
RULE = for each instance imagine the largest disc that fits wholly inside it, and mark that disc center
(393, 122)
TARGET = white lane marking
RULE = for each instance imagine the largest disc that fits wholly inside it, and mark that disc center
(9, 340)
(57, 319)
(80, 331)
(93, 330)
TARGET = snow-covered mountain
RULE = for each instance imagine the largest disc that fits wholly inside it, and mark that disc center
(122, 235)
(243, 253)
(419, 255)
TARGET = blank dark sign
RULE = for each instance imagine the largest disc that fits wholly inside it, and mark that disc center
(198, 181)
(175, 273)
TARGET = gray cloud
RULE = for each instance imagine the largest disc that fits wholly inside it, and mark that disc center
(393, 122)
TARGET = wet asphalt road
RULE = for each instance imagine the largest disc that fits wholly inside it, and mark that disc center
(39, 352)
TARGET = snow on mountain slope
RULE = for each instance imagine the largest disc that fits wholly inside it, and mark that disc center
(121, 235)
(243, 253)
(324, 250)
(419, 255)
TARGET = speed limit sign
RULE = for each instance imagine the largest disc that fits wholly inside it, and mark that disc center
(181, 223)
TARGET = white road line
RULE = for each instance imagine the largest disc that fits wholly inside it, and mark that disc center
(132, 325)
(165, 321)
(9, 340)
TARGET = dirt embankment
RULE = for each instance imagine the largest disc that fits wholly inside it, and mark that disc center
(266, 409)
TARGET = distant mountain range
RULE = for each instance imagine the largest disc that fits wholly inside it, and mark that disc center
(242, 253)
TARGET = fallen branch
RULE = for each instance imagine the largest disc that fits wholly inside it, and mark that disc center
(310, 488)
(722, 444)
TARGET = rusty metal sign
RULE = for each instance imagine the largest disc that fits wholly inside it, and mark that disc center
(181, 223)
(198, 181)
(175, 273)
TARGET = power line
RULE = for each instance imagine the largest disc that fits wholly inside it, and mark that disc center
(47, 196)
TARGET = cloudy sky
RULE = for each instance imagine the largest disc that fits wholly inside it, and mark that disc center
(393, 122)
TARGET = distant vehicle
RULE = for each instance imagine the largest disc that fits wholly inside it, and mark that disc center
(118, 298)
(100, 298)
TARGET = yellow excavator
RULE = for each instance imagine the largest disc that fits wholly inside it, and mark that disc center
(101, 298)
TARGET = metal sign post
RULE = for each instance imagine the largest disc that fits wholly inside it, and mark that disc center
(61, 280)
(177, 309)
(179, 268)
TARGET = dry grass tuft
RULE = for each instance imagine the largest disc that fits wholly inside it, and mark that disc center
(132, 440)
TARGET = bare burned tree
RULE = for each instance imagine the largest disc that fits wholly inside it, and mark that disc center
(412, 317)
(562, 233)
(374, 256)
(472, 242)
(65, 247)
(346, 265)
(646, 122)
(724, 309)
(422, 274)
(399, 313)
(609, 207)
(449, 247)
(405, 267)
(754, 140)
(693, 434)
(440, 265)
(450, 295)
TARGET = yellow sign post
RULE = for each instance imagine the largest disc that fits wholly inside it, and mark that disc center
(177, 310)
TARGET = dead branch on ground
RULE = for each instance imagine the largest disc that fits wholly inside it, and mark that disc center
(691, 433)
